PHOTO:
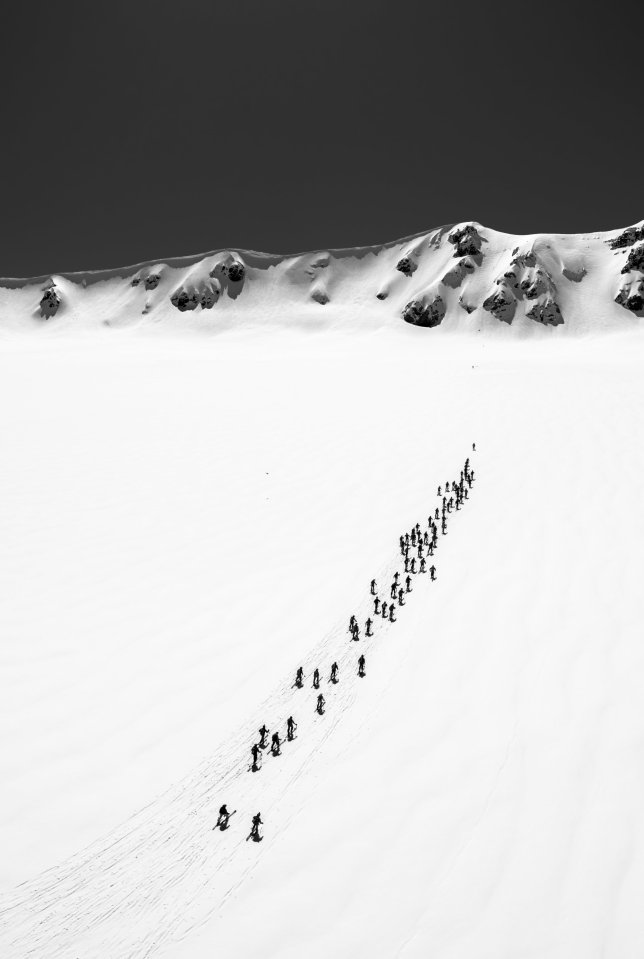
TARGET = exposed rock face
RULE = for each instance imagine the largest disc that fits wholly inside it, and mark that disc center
(50, 302)
(382, 295)
(455, 276)
(547, 312)
(236, 272)
(152, 280)
(466, 240)
(635, 260)
(320, 297)
(629, 236)
(406, 266)
(502, 304)
(135, 281)
(631, 295)
(208, 299)
(576, 275)
(425, 314)
(184, 300)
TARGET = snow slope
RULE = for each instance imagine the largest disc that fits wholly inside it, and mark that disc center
(185, 521)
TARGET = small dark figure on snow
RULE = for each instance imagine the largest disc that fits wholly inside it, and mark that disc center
(254, 831)
(299, 677)
(384, 610)
(392, 618)
(291, 726)
(320, 706)
(356, 634)
(408, 584)
(436, 514)
(316, 679)
(406, 564)
(423, 566)
(352, 624)
(420, 551)
(263, 733)
(373, 587)
(255, 754)
(224, 816)
(396, 577)
(413, 537)
(392, 591)
(401, 597)
(361, 666)
(376, 606)
(439, 491)
(368, 625)
(334, 673)
(432, 570)
(413, 564)
(275, 744)
(474, 447)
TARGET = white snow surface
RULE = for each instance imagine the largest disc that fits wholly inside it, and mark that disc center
(187, 519)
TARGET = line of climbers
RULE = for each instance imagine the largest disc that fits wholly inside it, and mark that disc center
(420, 540)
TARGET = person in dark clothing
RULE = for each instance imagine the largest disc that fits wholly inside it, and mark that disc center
(275, 744)
(474, 447)
(368, 625)
(401, 598)
(432, 570)
(408, 584)
(316, 679)
(406, 564)
(291, 726)
(254, 831)
(439, 491)
(255, 754)
(263, 733)
(376, 606)
(373, 587)
(320, 706)
(392, 618)
(224, 816)
(384, 610)
(299, 677)
(334, 673)
(361, 665)
(431, 548)
(436, 514)
(396, 577)
(352, 624)
(413, 564)
(356, 634)
(423, 566)
(392, 591)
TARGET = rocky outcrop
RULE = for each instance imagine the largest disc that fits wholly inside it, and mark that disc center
(185, 300)
(466, 240)
(50, 302)
(501, 303)
(457, 273)
(152, 280)
(406, 266)
(420, 313)
(235, 271)
(635, 259)
(320, 296)
(546, 312)
(631, 295)
(631, 235)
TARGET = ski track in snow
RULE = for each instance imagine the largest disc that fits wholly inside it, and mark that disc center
(166, 864)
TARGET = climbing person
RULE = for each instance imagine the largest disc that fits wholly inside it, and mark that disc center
(396, 577)
(406, 564)
(299, 677)
(316, 679)
(291, 726)
(413, 537)
(436, 514)
(426, 538)
(423, 565)
(420, 551)
(254, 830)
(361, 665)
(373, 587)
(320, 706)
(263, 733)
(401, 598)
(334, 673)
(439, 491)
(352, 624)
(275, 744)
(376, 606)
(431, 548)
(392, 618)
(255, 754)
(408, 584)
(384, 610)
(474, 447)
(356, 634)
(432, 570)
(368, 625)
(412, 564)
(393, 591)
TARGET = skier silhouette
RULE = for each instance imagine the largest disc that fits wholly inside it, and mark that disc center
(373, 587)
(413, 564)
(352, 624)
(275, 744)
(263, 733)
(393, 591)
(316, 679)
(474, 447)
(396, 577)
(299, 677)
(254, 831)
(432, 570)
(376, 606)
(384, 610)
(291, 726)
(408, 584)
(423, 566)
(392, 618)
(401, 599)
(224, 816)
(255, 754)
(320, 706)
(406, 564)
(368, 625)
(334, 673)
(361, 665)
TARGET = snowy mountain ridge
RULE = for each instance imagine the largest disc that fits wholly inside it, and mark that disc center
(462, 276)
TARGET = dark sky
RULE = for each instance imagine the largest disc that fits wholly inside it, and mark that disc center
(143, 128)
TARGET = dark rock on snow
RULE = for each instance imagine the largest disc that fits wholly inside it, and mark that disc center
(236, 272)
(635, 259)
(547, 313)
(629, 236)
(502, 304)
(50, 302)
(421, 314)
(320, 297)
(407, 266)
(466, 240)
(152, 280)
